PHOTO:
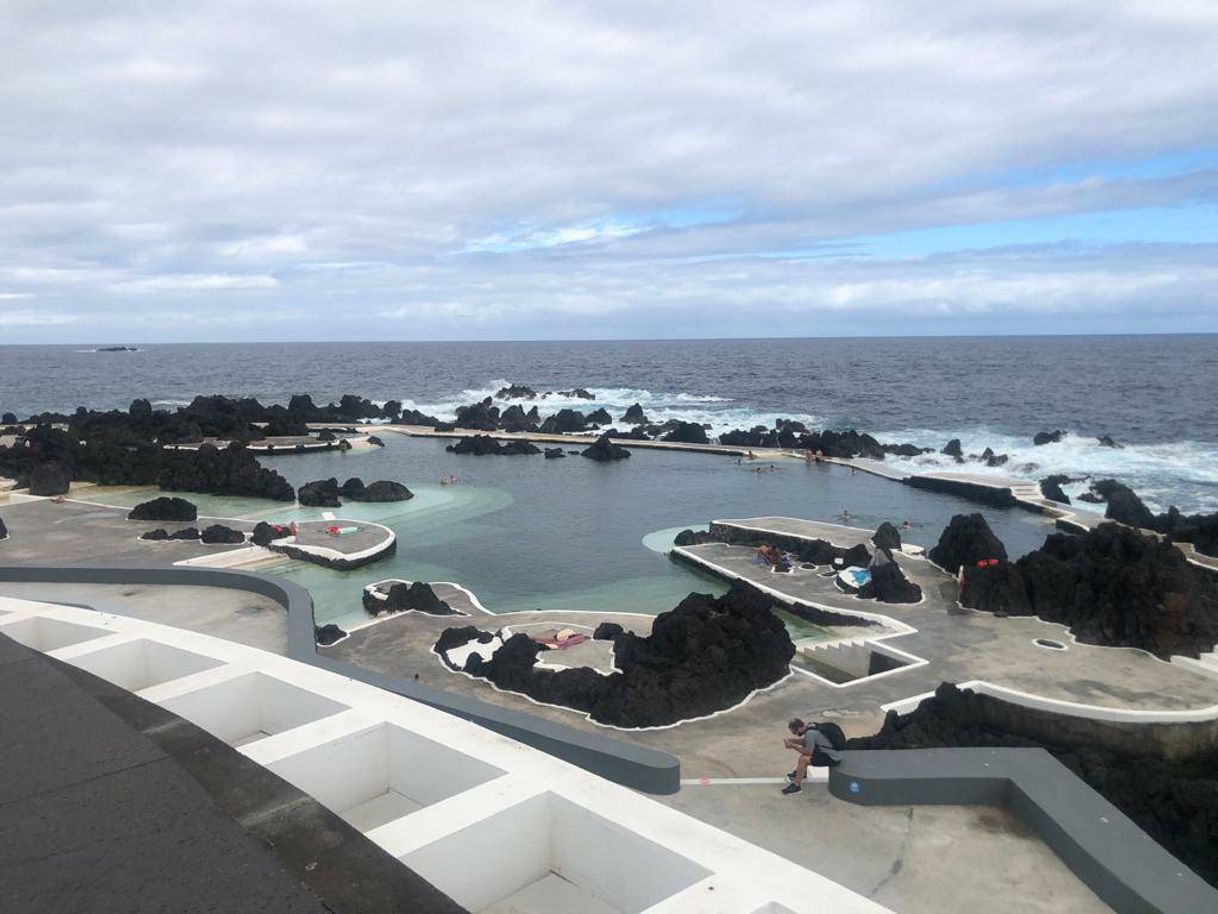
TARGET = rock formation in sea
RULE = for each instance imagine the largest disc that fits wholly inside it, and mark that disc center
(554, 453)
(688, 433)
(1111, 585)
(1106, 441)
(565, 421)
(1124, 506)
(485, 445)
(1174, 800)
(577, 394)
(953, 449)
(320, 493)
(402, 597)
(383, 490)
(50, 479)
(1051, 488)
(966, 540)
(1052, 437)
(160, 533)
(164, 508)
(706, 655)
(186, 533)
(634, 415)
(604, 449)
(229, 471)
(516, 392)
(887, 583)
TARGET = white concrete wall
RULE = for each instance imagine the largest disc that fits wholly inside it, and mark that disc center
(487, 817)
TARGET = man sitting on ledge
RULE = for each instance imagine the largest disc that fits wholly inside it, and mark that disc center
(814, 748)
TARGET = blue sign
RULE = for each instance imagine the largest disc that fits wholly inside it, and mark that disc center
(856, 787)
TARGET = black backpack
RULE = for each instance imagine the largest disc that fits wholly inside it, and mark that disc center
(833, 732)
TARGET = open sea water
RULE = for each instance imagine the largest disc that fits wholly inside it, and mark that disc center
(1156, 395)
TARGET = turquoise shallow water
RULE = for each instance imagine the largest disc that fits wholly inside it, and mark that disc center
(526, 533)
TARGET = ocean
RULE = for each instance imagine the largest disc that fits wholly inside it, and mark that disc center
(1155, 395)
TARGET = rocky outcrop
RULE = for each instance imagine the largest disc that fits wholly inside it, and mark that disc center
(603, 449)
(186, 533)
(707, 654)
(516, 392)
(966, 540)
(164, 508)
(694, 538)
(320, 493)
(554, 453)
(482, 416)
(1106, 441)
(576, 394)
(159, 534)
(1052, 437)
(1112, 586)
(328, 634)
(231, 471)
(634, 415)
(402, 597)
(1051, 488)
(599, 417)
(887, 582)
(383, 490)
(50, 479)
(374, 441)
(1175, 801)
(485, 445)
(264, 534)
(565, 421)
(218, 534)
(887, 537)
(606, 631)
(953, 449)
(688, 433)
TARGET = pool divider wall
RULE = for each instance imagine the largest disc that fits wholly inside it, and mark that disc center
(648, 770)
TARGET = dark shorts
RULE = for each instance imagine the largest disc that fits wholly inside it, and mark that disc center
(821, 760)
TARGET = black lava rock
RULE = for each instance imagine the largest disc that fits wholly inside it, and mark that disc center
(375, 441)
(485, 445)
(554, 453)
(382, 490)
(328, 634)
(953, 449)
(164, 508)
(693, 538)
(230, 471)
(186, 533)
(3, 530)
(264, 534)
(1048, 437)
(888, 583)
(688, 433)
(634, 415)
(1051, 488)
(160, 533)
(565, 421)
(402, 597)
(50, 479)
(516, 392)
(1112, 586)
(577, 394)
(604, 449)
(1124, 506)
(887, 536)
(966, 540)
(707, 654)
(1106, 441)
(218, 534)
(607, 631)
(320, 493)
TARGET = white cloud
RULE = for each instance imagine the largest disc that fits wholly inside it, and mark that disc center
(379, 155)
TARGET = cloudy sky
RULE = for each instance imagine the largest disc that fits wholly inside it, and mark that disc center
(399, 170)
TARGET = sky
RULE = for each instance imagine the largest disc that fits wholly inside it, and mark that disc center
(582, 170)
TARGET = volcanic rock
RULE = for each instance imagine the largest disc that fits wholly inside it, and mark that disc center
(516, 392)
(320, 493)
(264, 534)
(220, 534)
(888, 583)
(553, 453)
(1112, 586)
(1124, 506)
(887, 536)
(565, 421)
(953, 449)
(966, 540)
(164, 508)
(633, 415)
(1051, 488)
(375, 441)
(1106, 441)
(382, 490)
(604, 449)
(688, 433)
(328, 634)
(186, 533)
(607, 631)
(599, 417)
(1048, 437)
(403, 597)
(707, 654)
(160, 533)
(50, 479)
(231, 471)
(485, 445)
(577, 394)
(482, 416)
(3, 530)
(693, 538)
